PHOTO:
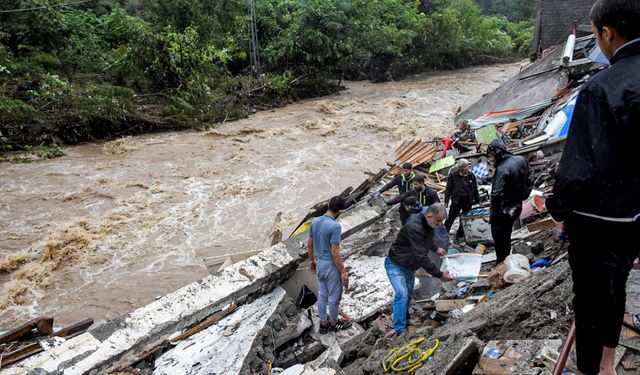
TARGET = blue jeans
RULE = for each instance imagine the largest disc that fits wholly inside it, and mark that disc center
(402, 280)
(329, 290)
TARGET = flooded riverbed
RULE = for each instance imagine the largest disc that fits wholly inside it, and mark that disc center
(109, 227)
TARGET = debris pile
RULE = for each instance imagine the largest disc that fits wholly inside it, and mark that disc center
(256, 315)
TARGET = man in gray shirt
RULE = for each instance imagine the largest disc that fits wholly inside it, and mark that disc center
(326, 261)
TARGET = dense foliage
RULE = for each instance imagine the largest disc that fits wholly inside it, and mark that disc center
(74, 71)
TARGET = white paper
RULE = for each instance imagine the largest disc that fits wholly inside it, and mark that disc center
(462, 266)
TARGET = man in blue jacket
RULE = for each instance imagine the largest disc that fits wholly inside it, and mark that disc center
(597, 190)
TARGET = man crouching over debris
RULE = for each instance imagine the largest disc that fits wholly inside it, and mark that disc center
(597, 189)
(324, 252)
(409, 252)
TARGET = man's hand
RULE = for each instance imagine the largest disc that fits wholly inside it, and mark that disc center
(561, 231)
(446, 276)
(312, 267)
(345, 279)
(442, 252)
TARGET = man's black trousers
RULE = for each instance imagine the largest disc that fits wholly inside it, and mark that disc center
(501, 228)
(456, 208)
(601, 254)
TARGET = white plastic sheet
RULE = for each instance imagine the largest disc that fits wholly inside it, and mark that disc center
(462, 266)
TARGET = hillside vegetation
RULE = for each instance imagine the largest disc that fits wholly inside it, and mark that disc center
(74, 71)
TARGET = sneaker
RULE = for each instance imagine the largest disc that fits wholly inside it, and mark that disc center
(324, 328)
(341, 325)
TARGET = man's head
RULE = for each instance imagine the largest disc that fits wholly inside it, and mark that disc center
(419, 183)
(409, 202)
(464, 125)
(436, 214)
(336, 204)
(615, 22)
(463, 166)
(407, 168)
(496, 151)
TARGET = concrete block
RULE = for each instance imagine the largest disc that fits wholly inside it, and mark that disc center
(223, 347)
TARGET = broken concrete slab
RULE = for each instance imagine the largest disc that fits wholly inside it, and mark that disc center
(224, 347)
(117, 342)
(371, 290)
(354, 220)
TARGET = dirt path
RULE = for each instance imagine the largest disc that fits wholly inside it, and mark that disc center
(108, 228)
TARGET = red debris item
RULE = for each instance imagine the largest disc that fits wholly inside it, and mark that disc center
(446, 143)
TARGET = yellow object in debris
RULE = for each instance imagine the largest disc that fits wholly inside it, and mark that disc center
(410, 352)
(302, 229)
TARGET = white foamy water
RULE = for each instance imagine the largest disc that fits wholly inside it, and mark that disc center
(112, 226)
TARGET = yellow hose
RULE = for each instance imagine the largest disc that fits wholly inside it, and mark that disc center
(414, 356)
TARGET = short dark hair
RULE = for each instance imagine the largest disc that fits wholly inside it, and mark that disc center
(336, 204)
(419, 179)
(407, 166)
(410, 200)
(621, 15)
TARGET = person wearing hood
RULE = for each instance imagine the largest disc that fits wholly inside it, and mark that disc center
(511, 185)
(596, 194)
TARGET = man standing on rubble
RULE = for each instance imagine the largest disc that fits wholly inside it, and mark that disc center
(323, 245)
(462, 191)
(404, 181)
(424, 195)
(409, 252)
(511, 185)
(597, 190)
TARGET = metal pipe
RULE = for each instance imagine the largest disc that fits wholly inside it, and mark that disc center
(566, 349)
(567, 55)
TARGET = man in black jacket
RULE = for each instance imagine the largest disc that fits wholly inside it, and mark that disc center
(424, 195)
(409, 252)
(404, 181)
(462, 191)
(597, 189)
(511, 185)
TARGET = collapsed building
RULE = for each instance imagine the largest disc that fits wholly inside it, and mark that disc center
(252, 315)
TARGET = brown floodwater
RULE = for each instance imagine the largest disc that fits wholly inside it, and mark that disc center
(109, 227)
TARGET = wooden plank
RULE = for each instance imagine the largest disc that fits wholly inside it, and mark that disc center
(402, 147)
(541, 225)
(426, 158)
(205, 323)
(402, 157)
(535, 140)
(446, 305)
(468, 353)
(34, 348)
(427, 154)
(44, 325)
(409, 147)
(411, 151)
(417, 156)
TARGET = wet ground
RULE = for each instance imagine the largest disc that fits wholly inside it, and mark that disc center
(109, 227)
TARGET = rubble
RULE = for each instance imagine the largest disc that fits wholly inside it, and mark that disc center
(494, 319)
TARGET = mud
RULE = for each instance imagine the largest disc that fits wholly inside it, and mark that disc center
(112, 226)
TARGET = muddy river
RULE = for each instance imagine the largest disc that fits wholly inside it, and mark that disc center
(109, 227)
